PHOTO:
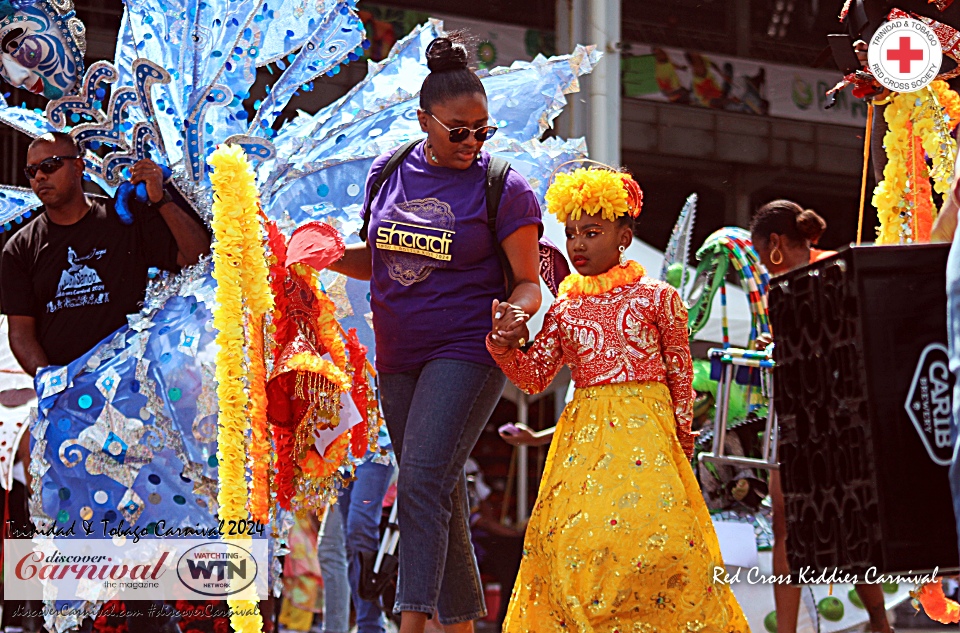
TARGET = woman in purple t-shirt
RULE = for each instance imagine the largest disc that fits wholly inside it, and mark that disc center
(434, 275)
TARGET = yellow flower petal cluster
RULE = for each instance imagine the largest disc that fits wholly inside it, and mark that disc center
(917, 123)
(590, 191)
(575, 285)
(240, 270)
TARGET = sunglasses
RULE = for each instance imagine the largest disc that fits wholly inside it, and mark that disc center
(460, 134)
(47, 166)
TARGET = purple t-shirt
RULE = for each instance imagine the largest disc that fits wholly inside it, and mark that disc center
(435, 267)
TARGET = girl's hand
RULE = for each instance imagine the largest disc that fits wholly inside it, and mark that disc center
(509, 326)
(522, 435)
(507, 316)
(513, 339)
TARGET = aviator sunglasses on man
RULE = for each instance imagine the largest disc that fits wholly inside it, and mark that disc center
(47, 166)
(460, 134)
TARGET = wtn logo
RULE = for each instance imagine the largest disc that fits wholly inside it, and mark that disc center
(223, 568)
(217, 569)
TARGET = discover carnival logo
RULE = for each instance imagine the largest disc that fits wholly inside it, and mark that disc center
(930, 402)
(58, 566)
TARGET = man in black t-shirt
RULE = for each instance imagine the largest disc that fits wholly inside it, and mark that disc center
(70, 277)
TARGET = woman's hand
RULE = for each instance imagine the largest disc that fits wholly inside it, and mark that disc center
(509, 325)
(507, 316)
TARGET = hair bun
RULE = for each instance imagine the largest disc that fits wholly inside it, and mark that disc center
(810, 225)
(447, 53)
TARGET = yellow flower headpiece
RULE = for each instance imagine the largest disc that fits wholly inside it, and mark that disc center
(604, 191)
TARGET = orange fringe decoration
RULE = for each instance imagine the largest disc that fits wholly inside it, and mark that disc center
(936, 605)
(261, 451)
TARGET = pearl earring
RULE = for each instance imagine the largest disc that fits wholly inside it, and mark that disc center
(623, 256)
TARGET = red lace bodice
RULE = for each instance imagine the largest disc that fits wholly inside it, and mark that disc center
(634, 332)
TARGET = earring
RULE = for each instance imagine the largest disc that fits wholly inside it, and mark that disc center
(776, 257)
(432, 156)
(623, 256)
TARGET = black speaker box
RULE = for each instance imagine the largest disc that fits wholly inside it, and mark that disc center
(863, 396)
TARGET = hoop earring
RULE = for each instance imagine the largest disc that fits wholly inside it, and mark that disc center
(776, 257)
(623, 256)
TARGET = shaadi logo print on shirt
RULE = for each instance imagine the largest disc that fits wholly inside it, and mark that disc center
(415, 237)
(79, 284)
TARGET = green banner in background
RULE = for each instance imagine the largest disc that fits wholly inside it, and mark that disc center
(734, 84)
(639, 76)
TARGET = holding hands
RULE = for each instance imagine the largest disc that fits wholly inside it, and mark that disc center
(509, 325)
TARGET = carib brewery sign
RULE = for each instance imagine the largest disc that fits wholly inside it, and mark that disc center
(930, 402)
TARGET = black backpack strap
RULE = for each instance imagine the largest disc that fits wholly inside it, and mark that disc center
(497, 170)
(392, 164)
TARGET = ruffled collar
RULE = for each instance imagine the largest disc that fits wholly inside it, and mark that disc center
(576, 285)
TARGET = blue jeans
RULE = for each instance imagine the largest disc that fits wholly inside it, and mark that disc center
(332, 554)
(361, 506)
(435, 416)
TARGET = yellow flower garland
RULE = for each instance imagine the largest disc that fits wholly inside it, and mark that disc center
(237, 245)
(903, 200)
(575, 285)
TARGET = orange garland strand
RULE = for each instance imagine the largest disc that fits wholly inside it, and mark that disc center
(922, 193)
(261, 451)
(358, 360)
(936, 605)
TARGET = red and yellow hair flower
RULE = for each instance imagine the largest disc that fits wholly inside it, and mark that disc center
(605, 192)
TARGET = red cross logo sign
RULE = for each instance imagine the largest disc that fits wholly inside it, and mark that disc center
(904, 55)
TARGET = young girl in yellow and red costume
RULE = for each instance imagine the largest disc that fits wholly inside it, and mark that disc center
(620, 538)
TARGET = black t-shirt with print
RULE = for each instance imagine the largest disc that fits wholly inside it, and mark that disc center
(80, 281)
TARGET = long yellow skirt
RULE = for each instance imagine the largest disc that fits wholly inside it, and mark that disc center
(620, 539)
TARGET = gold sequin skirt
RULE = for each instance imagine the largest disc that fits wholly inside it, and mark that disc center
(620, 538)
